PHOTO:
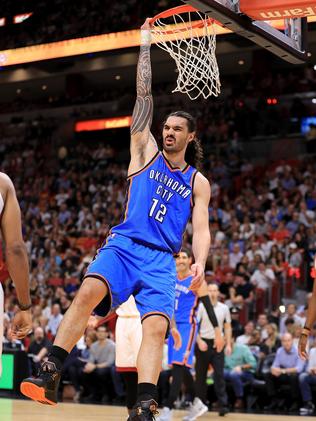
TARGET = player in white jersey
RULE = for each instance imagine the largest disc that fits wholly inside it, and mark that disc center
(16, 260)
(128, 338)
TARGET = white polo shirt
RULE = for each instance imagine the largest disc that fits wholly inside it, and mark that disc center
(206, 328)
(262, 280)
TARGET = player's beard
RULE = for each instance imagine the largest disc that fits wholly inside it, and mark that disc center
(171, 147)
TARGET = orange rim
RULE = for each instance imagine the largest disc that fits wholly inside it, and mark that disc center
(178, 11)
(174, 11)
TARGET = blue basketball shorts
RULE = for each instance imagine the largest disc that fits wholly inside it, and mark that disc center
(129, 268)
(184, 355)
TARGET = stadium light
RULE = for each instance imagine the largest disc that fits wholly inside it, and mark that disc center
(21, 18)
(103, 124)
(89, 45)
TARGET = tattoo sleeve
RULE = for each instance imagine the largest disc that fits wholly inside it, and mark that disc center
(143, 110)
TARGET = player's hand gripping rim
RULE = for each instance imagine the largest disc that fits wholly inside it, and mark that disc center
(147, 25)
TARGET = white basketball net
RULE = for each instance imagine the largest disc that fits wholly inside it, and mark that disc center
(193, 50)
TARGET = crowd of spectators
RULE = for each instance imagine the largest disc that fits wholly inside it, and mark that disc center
(263, 226)
(60, 20)
(241, 113)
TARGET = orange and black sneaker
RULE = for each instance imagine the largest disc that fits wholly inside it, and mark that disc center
(44, 387)
(144, 411)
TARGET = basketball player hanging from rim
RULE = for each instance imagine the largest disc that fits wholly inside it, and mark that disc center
(137, 257)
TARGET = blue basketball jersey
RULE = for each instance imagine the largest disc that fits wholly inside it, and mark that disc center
(158, 207)
(186, 302)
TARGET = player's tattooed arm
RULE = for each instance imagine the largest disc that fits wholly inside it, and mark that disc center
(143, 109)
(143, 144)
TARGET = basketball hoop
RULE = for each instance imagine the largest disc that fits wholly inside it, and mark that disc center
(189, 37)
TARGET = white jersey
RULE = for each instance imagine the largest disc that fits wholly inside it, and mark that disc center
(128, 309)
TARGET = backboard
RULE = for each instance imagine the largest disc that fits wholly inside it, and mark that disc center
(289, 44)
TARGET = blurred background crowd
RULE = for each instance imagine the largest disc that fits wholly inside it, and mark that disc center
(259, 141)
(262, 219)
(62, 20)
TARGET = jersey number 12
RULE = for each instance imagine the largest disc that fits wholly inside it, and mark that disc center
(158, 213)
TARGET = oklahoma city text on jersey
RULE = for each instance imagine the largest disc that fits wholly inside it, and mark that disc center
(169, 182)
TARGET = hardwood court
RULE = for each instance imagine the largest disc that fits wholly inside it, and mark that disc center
(20, 410)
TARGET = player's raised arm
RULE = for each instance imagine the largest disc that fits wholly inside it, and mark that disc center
(143, 144)
(16, 256)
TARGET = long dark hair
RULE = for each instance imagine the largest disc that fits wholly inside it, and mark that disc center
(194, 152)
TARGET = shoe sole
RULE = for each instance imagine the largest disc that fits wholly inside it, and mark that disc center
(36, 393)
